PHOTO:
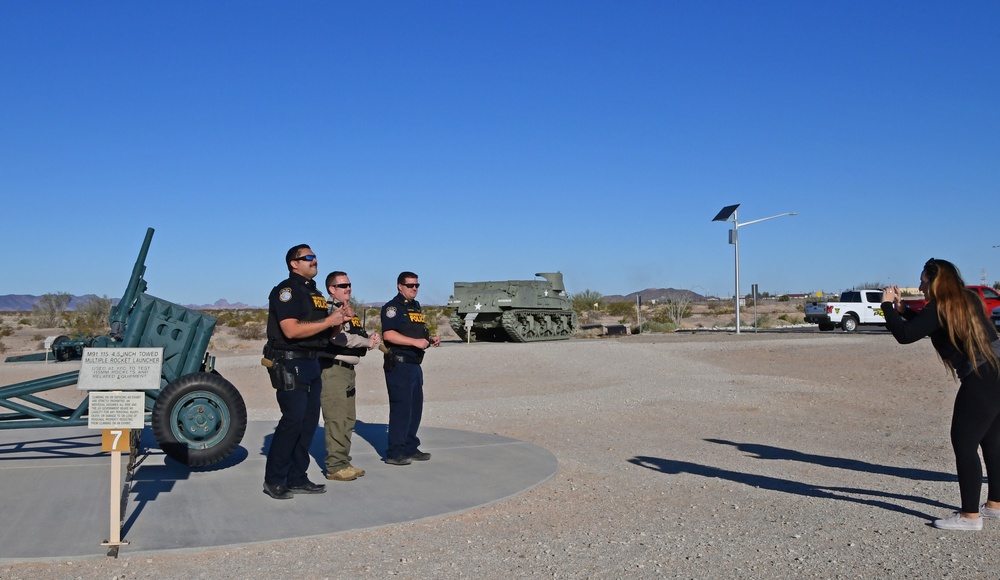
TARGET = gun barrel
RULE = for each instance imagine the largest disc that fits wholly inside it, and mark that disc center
(136, 286)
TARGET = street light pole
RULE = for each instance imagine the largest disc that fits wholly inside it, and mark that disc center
(724, 216)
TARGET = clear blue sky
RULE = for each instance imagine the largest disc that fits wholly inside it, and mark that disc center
(491, 140)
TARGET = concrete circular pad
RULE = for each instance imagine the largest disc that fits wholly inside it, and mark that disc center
(55, 498)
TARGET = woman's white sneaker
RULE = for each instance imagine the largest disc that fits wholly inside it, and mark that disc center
(957, 522)
(989, 513)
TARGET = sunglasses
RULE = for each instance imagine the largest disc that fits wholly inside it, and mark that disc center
(348, 285)
(306, 258)
(417, 285)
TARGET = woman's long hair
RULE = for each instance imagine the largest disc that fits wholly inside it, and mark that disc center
(961, 312)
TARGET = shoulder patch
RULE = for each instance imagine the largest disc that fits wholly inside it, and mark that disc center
(390, 312)
(285, 294)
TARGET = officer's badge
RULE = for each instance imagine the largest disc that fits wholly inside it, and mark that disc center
(285, 294)
(390, 312)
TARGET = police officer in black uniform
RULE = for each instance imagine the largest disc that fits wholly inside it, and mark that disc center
(406, 335)
(298, 329)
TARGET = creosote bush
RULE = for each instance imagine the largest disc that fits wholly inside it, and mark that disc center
(252, 331)
(765, 321)
(239, 317)
(48, 311)
(654, 326)
(587, 302)
(91, 317)
(625, 311)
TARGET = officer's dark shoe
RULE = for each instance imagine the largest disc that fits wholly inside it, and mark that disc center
(420, 456)
(307, 487)
(277, 490)
(401, 460)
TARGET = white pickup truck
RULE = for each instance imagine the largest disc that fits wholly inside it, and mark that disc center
(855, 307)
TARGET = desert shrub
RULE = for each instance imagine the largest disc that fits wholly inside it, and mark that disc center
(678, 310)
(91, 317)
(654, 326)
(587, 301)
(48, 311)
(671, 312)
(784, 298)
(238, 318)
(433, 316)
(625, 311)
(792, 318)
(3, 347)
(252, 331)
(371, 319)
(5, 330)
(765, 321)
(721, 309)
(24, 322)
(37, 337)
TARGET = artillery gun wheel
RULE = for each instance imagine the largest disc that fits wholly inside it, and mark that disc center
(61, 354)
(199, 419)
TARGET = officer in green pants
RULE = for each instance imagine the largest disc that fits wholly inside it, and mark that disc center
(337, 400)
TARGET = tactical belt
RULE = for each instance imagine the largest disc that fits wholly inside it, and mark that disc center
(341, 363)
(294, 354)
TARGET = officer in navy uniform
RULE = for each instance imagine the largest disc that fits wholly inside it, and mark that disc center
(298, 329)
(406, 335)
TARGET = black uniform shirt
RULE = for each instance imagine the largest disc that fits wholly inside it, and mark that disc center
(405, 317)
(298, 298)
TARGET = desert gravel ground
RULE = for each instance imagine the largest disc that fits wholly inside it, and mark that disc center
(690, 455)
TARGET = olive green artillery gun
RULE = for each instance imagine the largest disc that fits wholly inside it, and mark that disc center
(197, 417)
(517, 310)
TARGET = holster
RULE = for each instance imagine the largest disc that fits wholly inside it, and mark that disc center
(281, 370)
(281, 378)
(388, 362)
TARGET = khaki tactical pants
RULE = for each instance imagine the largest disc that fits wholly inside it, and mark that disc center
(339, 414)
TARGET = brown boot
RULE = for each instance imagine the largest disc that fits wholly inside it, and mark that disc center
(344, 474)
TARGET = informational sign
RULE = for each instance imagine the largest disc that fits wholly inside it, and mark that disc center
(116, 410)
(120, 369)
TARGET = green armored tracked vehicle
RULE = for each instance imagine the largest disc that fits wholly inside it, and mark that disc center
(516, 310)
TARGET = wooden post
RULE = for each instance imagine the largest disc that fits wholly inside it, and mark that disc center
(112, 440)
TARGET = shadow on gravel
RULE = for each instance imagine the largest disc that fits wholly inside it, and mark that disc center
(769, 452)
(674, 467)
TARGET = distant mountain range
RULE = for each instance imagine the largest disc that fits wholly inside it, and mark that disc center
(24, 303)
(657, 294)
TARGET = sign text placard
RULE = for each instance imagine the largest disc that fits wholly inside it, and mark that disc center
(116, 410)
(120, 369)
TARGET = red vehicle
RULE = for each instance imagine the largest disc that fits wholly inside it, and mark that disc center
(990, 298)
